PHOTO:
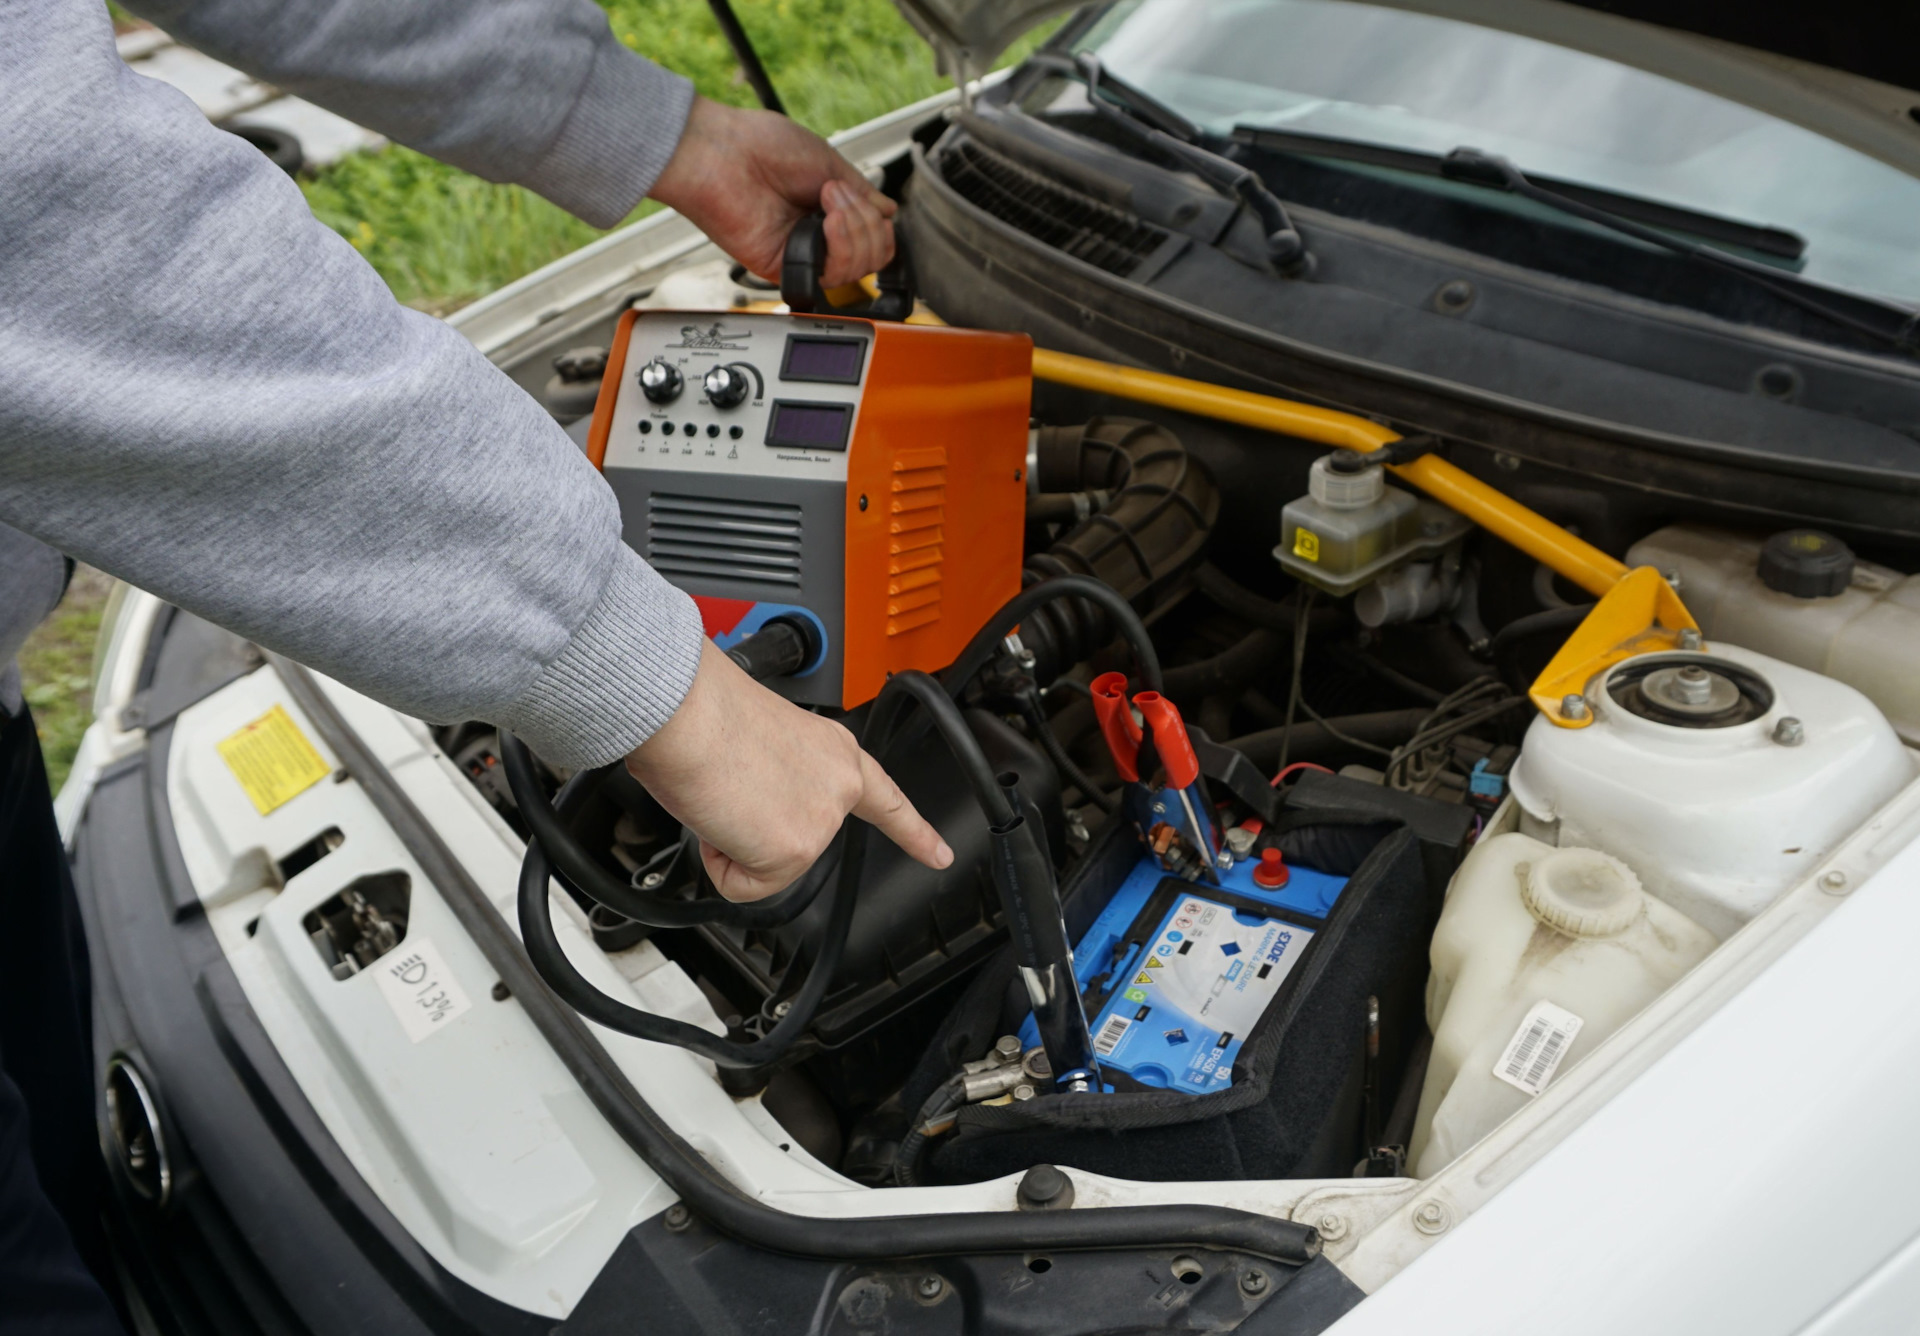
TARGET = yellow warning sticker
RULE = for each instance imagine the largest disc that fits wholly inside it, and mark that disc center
(1154, 963)
(1306, 545)
(273, 760)
(1144, 978)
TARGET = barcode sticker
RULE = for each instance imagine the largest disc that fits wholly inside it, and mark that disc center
(1110, 1035)
(1535, 1050)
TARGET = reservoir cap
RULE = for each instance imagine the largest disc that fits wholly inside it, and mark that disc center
(1583, 893)
(1806, 563)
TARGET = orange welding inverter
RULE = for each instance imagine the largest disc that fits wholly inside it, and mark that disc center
(864, 477)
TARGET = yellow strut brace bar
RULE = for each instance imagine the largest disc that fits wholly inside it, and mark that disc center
(1499, 514)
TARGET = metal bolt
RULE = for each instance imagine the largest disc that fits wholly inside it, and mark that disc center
(1254, 1282)
(1689, 639)
(1431, 1218)
(1573, 706)
(1023, 1091)
(1240, 841)
(1836, 880)
(1223, 860)
(1789, 732)
(1332, 1226)
(1008, 1047)
(678, 1217)
(1159, 809)
(653, 881)
(863, 500)
(501, 992)
(1695, 686)
(780, 1009)
(931, 1287)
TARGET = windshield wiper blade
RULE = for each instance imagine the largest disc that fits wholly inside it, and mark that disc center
(1777, 242)
(1900, 330)
(1147, 119)
(1487, 169)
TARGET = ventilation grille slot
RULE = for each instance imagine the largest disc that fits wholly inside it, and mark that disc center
(1083, 227)
(916, 538)
(730, 540)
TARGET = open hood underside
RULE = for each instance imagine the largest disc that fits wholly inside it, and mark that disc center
(1847, 70)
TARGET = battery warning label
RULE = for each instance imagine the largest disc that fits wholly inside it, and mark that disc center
(1181, 1025)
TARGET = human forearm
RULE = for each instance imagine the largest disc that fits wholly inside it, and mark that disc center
(536, 92)
(208, 394)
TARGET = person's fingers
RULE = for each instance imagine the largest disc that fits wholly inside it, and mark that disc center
(883, 806)
(842, 170)
(859, 238)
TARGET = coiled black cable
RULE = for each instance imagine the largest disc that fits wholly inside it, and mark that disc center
(592, 880)
(550, 836)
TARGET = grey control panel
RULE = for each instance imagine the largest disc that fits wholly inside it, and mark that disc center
(741, 395)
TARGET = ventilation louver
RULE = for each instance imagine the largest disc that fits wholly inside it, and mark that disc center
(1105, 237)
(729, 540)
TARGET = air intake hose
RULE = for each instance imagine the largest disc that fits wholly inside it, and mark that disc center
(1160, 505)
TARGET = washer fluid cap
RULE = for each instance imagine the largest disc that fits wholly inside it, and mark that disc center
(1806, 563)
(1345, 491)
(1583, 893)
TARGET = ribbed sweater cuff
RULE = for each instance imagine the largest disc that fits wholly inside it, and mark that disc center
(621, 677)
(616, 140)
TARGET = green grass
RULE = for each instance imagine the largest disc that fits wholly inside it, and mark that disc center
(441, 238)
(56, 668)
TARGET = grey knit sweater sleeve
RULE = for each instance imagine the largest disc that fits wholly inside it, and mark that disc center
(207, 393)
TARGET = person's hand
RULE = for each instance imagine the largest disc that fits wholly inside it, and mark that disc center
(746, 177)
(765, 784)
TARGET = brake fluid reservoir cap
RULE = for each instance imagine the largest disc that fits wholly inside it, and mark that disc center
(1342, 490)
(1583, 893)
(1806, 563)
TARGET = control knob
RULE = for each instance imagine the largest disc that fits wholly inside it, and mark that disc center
(660, 381)
(725, 386)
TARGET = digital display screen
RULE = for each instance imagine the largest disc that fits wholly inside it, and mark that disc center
(810, 426)
(827, 360)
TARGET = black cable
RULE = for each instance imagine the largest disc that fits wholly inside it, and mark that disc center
(947, 1096)
(1036, 712)
(602, 886)
(986, 642)
(947, 721)
(570, 986)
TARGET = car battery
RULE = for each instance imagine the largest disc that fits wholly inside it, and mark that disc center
(1175, 974)
(863, 479)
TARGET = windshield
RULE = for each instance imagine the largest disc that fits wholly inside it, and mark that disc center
(1413, 81)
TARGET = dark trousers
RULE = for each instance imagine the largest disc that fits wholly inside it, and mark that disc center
(52, 1252)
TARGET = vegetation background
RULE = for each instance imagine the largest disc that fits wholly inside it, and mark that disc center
(441, 237)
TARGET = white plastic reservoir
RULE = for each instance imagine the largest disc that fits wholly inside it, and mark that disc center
(1717, 805)
(1865, 632)
(1541, 953)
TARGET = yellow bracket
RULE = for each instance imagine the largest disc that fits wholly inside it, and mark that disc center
(1638, 615)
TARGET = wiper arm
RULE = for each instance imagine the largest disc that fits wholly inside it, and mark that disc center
(1147, 119)
(1486, 169)
(1470, 166)
(1777, 242)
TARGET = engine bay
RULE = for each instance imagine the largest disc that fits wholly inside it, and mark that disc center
(1305, 877)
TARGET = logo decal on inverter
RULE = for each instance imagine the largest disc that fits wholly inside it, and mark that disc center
(712, 338)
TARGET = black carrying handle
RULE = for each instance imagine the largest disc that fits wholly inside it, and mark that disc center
(805, 260)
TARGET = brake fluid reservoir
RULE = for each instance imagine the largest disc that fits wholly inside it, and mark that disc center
(1541, 953)
(1720, 778)
(1348, 528)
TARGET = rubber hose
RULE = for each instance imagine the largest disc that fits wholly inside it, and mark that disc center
(603, 887)
(707, 1191)
(1234, 667)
